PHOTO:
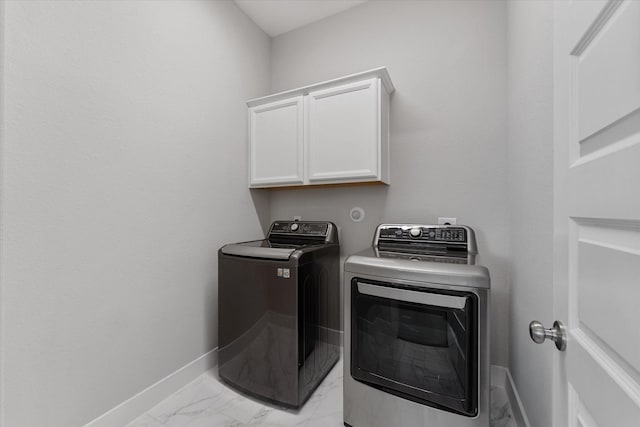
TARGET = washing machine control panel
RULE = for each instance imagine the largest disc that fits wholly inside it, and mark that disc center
(299, 227)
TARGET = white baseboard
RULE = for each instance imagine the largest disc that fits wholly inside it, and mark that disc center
(500, 376)
(137, 405)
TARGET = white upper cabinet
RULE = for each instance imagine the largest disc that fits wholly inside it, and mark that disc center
(276, 143)
(334, 132)
(342, 133)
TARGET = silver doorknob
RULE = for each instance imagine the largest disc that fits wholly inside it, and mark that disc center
(557, 334)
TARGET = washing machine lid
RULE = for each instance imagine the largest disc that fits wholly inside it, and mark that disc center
(261, 249)
(372, 262)
(284, 238)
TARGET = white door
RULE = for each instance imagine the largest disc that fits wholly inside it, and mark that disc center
(597, 212)
(276, 132)
(344, 133)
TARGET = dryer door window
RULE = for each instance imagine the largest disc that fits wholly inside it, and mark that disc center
(417, 343)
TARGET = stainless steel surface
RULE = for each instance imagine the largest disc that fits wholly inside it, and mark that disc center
(367, 406)
(412, 296)
(557, 334)
(470, 244)
(278, 318)
(370, 262)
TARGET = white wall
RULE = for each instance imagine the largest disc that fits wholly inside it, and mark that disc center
(123, 172)
(448, 122)
(530, 154)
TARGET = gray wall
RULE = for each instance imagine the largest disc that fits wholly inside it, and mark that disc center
(530, 154)
(120, 123)
(448, 122)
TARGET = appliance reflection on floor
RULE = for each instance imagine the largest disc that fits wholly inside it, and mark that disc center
(207, 402)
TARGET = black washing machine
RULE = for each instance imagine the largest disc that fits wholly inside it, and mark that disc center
(278, 311)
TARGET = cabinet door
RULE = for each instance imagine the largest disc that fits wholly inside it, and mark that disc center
(344, 133)
(276, 143)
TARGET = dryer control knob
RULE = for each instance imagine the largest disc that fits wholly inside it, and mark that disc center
(294, 227)
(415, 232)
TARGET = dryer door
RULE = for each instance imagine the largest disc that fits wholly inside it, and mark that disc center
(417, 343)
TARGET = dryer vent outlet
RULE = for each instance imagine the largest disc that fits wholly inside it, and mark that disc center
(356, 214)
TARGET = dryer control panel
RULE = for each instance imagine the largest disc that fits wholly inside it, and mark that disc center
(435, 240)
(446, 234)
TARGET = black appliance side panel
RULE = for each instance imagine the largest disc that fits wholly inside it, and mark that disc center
(257, 326)
(320, 315)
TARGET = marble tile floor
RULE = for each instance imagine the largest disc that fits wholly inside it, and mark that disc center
(206, 402)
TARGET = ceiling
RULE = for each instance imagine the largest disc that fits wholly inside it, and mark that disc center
(279, 16)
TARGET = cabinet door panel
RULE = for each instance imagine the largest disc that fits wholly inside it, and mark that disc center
(344, 133)
(276, 143)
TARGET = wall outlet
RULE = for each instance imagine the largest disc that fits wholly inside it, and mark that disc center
(446, 221)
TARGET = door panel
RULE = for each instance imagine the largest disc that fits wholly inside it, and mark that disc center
(588, 15)
(605, 184)
(276, 142)
(608, 296)
(597, 212)
(583, 416)
(599, 386)
(608, 72)
(343, 133)
(611, 138)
